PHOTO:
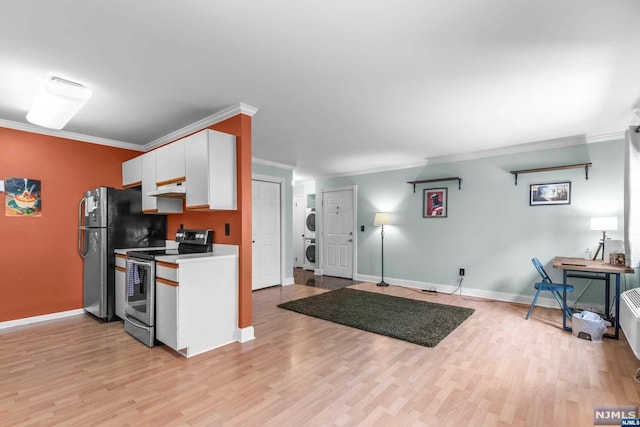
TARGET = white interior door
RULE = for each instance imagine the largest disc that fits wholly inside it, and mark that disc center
(299, 205)
(266, 234)
(337, 233)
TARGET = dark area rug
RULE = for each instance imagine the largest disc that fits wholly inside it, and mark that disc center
(420, 322)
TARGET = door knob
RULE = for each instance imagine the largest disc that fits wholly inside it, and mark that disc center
(350, 240)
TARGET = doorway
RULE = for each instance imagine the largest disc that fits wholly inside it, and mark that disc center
(299, 205)
(339, 240)
(266, 235)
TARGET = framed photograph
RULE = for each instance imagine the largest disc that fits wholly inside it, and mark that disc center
(557, 193)
(435, 203)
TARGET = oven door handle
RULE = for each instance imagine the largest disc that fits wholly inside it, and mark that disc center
(135, 261)
(134, 321)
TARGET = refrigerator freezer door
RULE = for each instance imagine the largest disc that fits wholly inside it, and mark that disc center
(95, 208)
(95, 272)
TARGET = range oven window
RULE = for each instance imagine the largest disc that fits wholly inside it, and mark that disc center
(140, 291)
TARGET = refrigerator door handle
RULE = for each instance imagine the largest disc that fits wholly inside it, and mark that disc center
(81, 227)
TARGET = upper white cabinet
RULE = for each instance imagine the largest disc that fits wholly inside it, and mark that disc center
(132, 173)
(152, 204)
(170, 163)
(210, 171)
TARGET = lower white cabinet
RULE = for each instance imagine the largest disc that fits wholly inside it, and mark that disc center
(167, 314)
(197, 304)
(121, 285)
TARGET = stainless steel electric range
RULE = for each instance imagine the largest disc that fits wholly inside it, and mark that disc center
(141, 278)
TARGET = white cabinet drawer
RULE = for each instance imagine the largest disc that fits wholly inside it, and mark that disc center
(121, 261)
(167, 270)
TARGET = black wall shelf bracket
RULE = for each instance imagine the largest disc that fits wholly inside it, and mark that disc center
(586, 167)
(424, 181)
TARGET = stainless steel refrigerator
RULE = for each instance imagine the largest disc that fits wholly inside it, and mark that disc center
(110, 219)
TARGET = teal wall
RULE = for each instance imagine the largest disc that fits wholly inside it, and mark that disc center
(287, 175)
(491, 230)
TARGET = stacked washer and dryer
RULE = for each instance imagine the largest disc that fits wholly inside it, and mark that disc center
(309, 239)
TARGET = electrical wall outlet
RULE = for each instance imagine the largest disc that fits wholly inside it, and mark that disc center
(461, 272)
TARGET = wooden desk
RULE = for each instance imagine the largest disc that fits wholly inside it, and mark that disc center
(594, 270)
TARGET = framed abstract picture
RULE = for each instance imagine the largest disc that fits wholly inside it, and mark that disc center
(22, 197)
(557, 193)
(434, 203)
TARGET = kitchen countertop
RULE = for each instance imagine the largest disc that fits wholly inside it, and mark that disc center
(219, 252)
(125, 250)
(182, 258)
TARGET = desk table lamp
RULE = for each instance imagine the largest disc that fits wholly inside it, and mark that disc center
(604, 224)
(382, 219)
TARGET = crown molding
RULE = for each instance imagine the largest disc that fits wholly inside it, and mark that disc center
(271, 163)
(28, 127)
(221, 115)
(224, 114)
(415, 164)
(569, 141)
(605, 137)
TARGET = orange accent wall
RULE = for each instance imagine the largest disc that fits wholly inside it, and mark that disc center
(240, 220)
(40, 269)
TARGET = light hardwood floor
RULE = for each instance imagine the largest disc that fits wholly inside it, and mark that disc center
(495, 369)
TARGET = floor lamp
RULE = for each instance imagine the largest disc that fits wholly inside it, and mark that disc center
(604, 224)
(381, 219)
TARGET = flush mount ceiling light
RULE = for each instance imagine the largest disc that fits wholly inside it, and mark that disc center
(57, 102)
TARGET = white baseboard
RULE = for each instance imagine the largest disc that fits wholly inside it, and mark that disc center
(479, 293)
(41, 318)
(287, 281)
(317, 272)
(245, 334)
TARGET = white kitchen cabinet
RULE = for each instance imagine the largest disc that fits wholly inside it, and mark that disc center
(152, 204)
(167, 314)
(121, 285)
(199, 311)
(170, 163)
(211, 171)
(132, 172)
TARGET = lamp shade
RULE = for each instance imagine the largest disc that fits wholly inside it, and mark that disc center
(57, 102)
(604, 223)
(382, 218)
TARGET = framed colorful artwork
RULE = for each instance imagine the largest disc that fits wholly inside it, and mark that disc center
(22, 197)
(557, 193)
(435, 203)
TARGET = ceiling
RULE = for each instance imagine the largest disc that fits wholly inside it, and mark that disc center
(339, 86)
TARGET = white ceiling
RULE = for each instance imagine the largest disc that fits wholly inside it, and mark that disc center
(340, 86)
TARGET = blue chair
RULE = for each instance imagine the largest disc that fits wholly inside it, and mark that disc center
(547, 285)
